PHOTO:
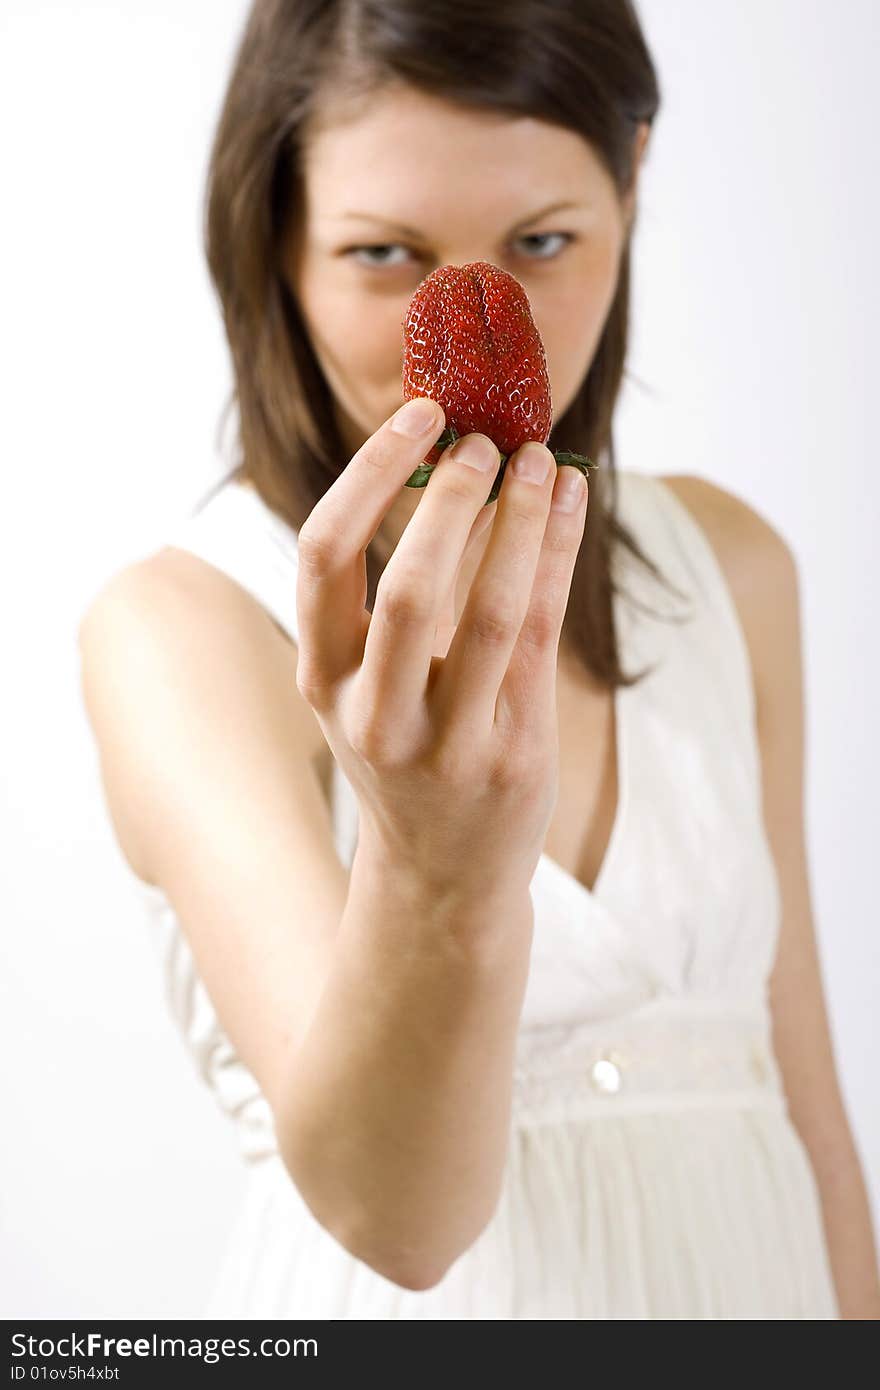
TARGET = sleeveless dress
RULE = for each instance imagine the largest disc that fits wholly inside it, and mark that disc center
(653, 1170)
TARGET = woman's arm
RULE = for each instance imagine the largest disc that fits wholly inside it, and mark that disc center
(756, 563)
(801, 1033)
(378, 1016)
(396, 1122)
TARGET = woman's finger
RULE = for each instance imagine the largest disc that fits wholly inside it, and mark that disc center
(448, 620)
(466, 688)
(332, 542)
(528, 690)
(416, 582)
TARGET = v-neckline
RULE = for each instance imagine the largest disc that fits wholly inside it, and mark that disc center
(612, 849)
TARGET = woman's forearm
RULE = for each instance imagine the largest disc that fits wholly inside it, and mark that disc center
(849, 1232)
(397, 1125)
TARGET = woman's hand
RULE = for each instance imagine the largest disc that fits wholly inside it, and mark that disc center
(451, 746)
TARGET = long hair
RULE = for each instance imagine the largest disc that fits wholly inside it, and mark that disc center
(582, 64)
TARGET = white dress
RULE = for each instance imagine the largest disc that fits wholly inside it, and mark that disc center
(653, 1170)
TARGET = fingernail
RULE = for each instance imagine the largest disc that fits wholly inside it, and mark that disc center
(477, 451)
(568, 490)
(415, 418)
(532, 462)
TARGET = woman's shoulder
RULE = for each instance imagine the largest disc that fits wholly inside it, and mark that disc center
(166, 635)
(738, 534)
(747, 548)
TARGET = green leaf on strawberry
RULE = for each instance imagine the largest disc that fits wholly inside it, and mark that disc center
(562, 456)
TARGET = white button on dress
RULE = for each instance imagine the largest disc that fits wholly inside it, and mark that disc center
(606, 1073)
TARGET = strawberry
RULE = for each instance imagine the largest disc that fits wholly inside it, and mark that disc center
(470, 343)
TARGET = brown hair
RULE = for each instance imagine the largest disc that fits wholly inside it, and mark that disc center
(582, 64)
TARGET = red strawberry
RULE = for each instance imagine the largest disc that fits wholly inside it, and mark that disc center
(470, 343)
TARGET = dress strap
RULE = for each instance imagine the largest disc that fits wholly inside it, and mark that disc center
(236, 532)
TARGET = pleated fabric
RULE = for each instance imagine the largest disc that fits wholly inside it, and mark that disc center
(695, 1214)
(653, 1170)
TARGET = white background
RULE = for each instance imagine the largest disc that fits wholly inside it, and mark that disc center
(755, 320)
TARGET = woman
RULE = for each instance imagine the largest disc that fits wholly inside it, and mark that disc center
(533, 1026)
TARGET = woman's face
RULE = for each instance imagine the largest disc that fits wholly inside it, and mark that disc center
(462, 186)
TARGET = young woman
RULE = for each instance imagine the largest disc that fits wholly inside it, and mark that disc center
(472, 835)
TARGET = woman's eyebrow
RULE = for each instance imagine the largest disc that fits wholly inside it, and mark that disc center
(414, 232)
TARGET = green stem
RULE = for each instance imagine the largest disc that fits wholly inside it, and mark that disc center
(449, 436)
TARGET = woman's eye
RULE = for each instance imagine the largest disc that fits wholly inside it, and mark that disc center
(383, 263)
(565, 237)
(375, 265)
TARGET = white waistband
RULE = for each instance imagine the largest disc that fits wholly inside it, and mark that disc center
(658, 1059)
